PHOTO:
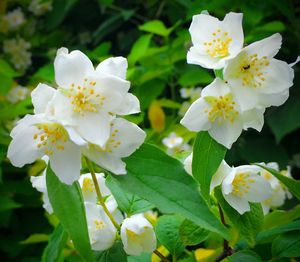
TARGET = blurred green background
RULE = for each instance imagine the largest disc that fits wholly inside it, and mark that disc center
(154, 36)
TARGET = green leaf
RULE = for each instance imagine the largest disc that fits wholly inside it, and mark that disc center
(191, 234)
(287, 245)
(14, 110)
(7, 70)
(45, 73)
(195, 76)
(67, 203)
(139, 49)
(245, 255)
(145, 257)
(115, 254)
(6, 203)
(207, 157)
(162, 180)
(167, 233)
(249, 224)
(127, 202)
(5, 84)
(286, 118)
(35, 238)
(156, 27)
(55, 245)
(268, 235)
(292, 184)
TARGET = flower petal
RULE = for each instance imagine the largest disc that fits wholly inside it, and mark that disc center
(253, 119)
(116, 66)
(223, 170)
(71, 67)
(66, 163)
(130, 105)
(40, 97)
(241, 205)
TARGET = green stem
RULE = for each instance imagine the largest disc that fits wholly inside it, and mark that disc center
(99, 195)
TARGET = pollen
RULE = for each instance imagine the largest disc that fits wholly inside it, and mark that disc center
(87, 185)
(219, 44)
(85, 98)
(99, 224)
(253, 70)
(222, 109)
(241, 184)
(51, 136)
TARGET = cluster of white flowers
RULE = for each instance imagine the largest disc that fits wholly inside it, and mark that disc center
(137, 233)
(79, 117)
(17, 93)
(14, 19)
(252, 78)
(248, 183)
(175, 144)
(18, 51)
(40, 7)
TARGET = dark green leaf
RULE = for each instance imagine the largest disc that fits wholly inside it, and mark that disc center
(268, 235)
(192, 234)
(6, 203)
(55, 245)
(287, 245)
(292, 184)
(161, 179)
(249, 224)
(167, 233)
(195, 76)
(244, 256)
(207, 157)
(127, 202)
(67, 203)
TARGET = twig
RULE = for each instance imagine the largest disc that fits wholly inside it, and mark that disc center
(160, 255)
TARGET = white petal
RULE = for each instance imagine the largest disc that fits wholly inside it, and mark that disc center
(129, 135)
(39, 182)
(274, 99)
(196, 119)
(130, 105)
(226, 133)
(241, 205)
(196, 57)
(254, 119)
(75, 137)
(266, 47)
(296, 62)
(223, 170)
(217, 88)
(259, 189)
(227, 181)
(94, 127)
(23, 149)
(71, 67)
(40, 97)
(116, 66)
(187, 164)
(66, 163)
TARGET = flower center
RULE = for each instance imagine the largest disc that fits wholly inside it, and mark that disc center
(51, 136)
(252, 70)
(240, 184)
(99, 224)
(85, 98)
(88, 185)
(219, 45)
(222, 109)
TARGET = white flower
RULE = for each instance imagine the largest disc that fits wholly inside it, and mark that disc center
(18, 50)
(279, 193)
(40, 7)
(256, 78)
(215, 41)
(137, 235)
(172, 140)
(102, 232)
(89, 99)
(187, 164)
(125, 137)
(17, 94)
(14, 19)
(217, 112)
(39, 182)
(241, 185)
(88, 188)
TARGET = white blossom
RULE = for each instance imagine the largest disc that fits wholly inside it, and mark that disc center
(217, 112)
(187, 164)
(215, 41)
(40, 7)
(241, 185)
(256, 78)
(14, 19)
(17, 93)
(137, 235)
